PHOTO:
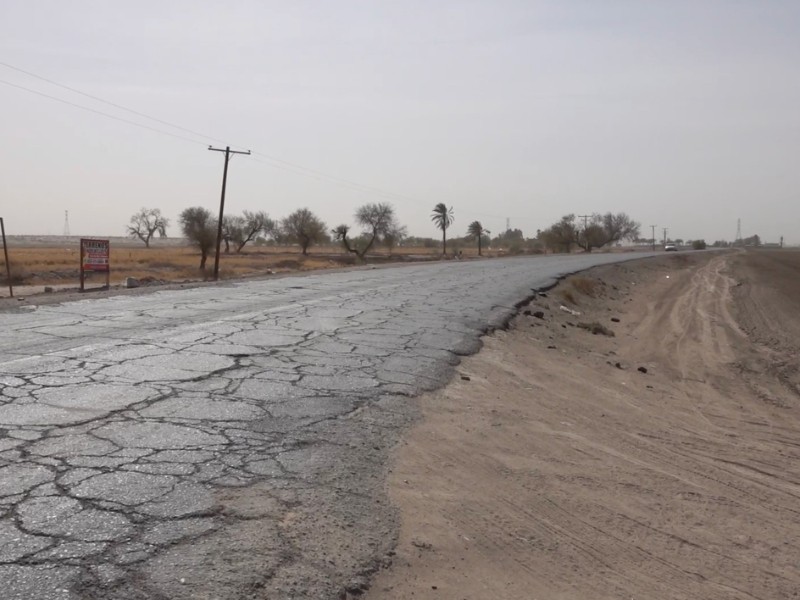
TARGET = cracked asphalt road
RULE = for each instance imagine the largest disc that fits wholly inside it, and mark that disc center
(228, 441)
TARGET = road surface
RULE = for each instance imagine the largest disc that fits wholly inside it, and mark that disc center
(228, 441)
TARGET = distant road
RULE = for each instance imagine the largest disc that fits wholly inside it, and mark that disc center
(223, 440)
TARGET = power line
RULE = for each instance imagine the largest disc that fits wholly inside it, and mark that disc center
(228, 153)
(99, 112)
(272, 161)
(108, 102)
(298, 169)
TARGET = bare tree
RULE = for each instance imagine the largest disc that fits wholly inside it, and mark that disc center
(394, 236)
(252, 224)
(239, 230)
(200, 228)
(145, 223)
(232, 226)
(442, 218)
(377, 220)
(305, 228)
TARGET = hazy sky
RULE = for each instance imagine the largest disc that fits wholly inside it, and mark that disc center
(683, 114)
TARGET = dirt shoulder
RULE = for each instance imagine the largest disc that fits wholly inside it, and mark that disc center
(555, 468)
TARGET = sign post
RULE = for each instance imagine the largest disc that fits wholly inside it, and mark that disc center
(5, 252)
(95, 258)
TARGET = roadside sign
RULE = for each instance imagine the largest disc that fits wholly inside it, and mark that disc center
(95, 255)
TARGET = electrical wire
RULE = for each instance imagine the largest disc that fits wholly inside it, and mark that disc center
(272, 161)
(99, 112)
(109, 103)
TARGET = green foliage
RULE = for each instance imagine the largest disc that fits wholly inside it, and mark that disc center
(442, 217)
(508, 237)
(477, 231)
(200, 228)
(305, 228)
(376, 219)
(595, 232)
(699, 245)
(561, 236)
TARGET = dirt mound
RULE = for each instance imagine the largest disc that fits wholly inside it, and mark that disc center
(570, 465)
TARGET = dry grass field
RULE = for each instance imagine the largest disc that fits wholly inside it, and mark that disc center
(40, 261)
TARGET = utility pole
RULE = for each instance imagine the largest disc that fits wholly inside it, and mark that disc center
(585, 225)
(228, 153)
(5, 252)
(653, 228)
(665, 235)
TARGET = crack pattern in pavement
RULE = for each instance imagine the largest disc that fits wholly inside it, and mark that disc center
(227, 441)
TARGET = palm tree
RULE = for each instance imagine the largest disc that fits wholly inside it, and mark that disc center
(443, 218)
(476, 230)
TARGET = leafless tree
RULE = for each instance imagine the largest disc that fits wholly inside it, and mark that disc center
(239, 230)
(252, 224)
(145, 223)
(394, 236)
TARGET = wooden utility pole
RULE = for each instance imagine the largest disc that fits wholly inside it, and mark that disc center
(653, 227)
(585, 236)
(5, 252)
(665, 234)
(228, 153)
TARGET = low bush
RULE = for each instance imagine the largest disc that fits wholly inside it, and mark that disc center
(596, 328)
(568, 296)
(586, 286)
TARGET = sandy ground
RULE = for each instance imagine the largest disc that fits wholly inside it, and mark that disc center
(553, 468)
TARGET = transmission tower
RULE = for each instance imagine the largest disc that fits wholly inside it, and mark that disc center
(738, 232)
(66, 223)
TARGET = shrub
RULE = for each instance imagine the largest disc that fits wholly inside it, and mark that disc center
(585, 286)
(568, 296)
(18, 275)
(699, 244)
(596, 329)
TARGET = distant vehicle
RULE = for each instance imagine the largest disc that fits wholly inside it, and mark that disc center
(670, 247)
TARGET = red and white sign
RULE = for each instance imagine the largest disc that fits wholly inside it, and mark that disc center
(95, 254)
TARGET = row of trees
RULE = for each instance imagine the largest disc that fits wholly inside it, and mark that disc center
(597, 231)
(377, 224)
(200, 227)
